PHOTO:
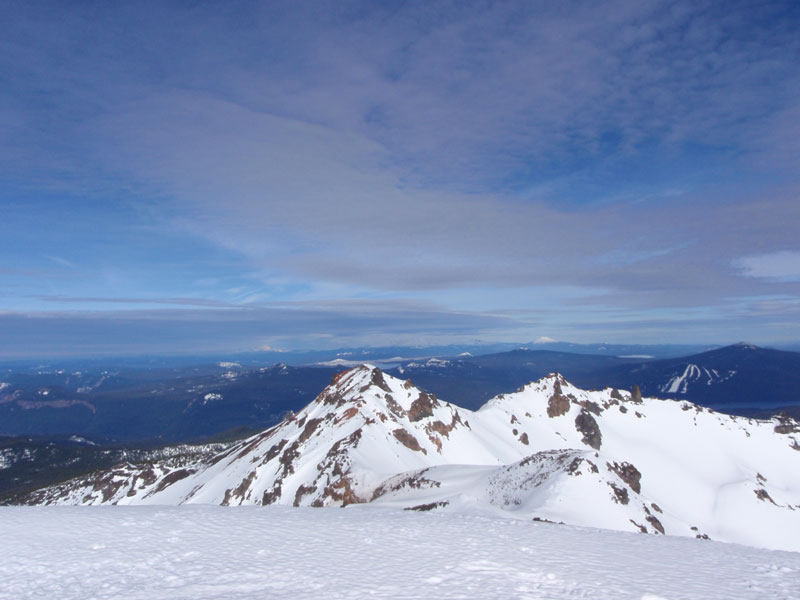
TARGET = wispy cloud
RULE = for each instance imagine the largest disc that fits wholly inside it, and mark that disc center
(61, 261)
(641, 153)
(777, 266)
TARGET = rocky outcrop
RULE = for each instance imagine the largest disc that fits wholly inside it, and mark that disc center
(586, 424)
(558, 404)
(628, 473)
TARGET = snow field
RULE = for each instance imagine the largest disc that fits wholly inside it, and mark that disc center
(211, 552)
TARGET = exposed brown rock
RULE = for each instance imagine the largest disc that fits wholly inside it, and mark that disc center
(148, 476)
(574, 466)
(415, 481)
(642, 528)
(762, 494)
(239, 491)
(273, 495)
(636, 395)
(437, 427)
(408, 440)
(348, 414)
(786, 424)
(338, 376)
(586, 424)
(558, 404)
(378, 381)
(430, 506)
(655, 523)
(422, 407)
(524, 438)
(592, 407)
(249, 447)
(173, 477)
(628, 473)
(542, 520)
(288, 457)
(274, 450)
(109, 484)
(309, 429)
(303, 490)
(341, 491)
(394, 407)
(443, 429)
(620, 494)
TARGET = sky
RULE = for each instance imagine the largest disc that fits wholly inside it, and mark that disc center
(203, 176)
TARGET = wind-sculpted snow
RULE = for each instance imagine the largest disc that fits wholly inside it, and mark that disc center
(216, 553)
(549, 451)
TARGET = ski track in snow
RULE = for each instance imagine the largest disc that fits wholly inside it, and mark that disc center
(211, 552)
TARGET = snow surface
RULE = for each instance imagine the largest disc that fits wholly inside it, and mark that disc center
(211, 397)
(207, 552)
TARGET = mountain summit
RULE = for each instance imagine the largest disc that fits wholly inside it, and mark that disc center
(549, 451)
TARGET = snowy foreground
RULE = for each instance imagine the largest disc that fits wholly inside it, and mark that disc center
(205, 552)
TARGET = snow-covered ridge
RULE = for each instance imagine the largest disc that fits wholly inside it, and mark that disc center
(549, 451)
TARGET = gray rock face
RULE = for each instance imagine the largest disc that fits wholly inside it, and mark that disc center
(586, 424)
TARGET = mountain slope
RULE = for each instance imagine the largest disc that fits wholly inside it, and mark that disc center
(549, 451)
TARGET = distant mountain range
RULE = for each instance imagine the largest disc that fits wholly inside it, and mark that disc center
(731, 378)
(185, 403)
(163, 404)
(549, 451)
(383, 355)
(740, 378)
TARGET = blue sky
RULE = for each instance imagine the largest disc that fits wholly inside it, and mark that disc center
(189, 176)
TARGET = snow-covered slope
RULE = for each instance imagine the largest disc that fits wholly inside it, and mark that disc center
(693, 374)
(280, 553)
(549, 451)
